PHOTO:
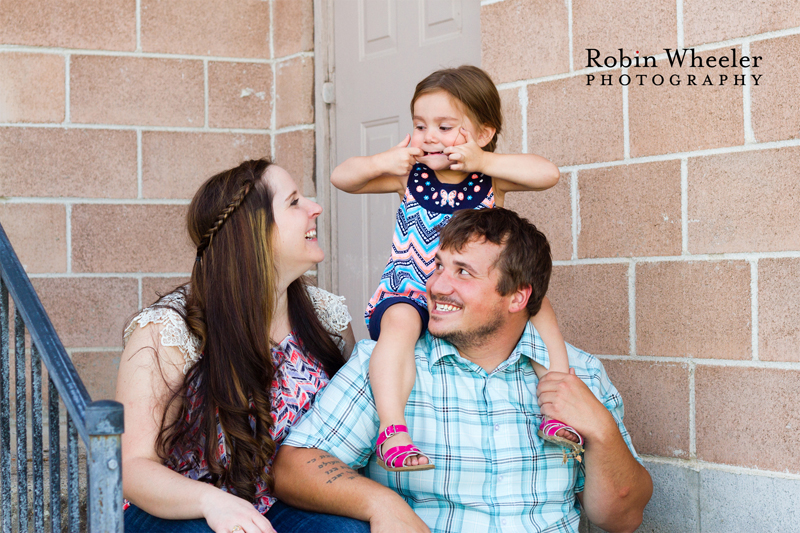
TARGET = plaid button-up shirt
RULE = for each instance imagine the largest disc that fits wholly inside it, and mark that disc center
(493, 473)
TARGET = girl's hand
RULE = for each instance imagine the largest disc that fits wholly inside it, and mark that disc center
(224, 511)
(399, 160)
(467, 157)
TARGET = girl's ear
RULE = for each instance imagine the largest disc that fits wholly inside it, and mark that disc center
(485, 135)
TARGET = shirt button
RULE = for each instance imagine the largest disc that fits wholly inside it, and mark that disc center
(503, 521)
(500, 478)
(497, 427)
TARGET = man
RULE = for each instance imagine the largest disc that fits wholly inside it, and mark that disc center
(475, 409)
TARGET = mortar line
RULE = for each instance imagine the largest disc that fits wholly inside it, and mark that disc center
(205, 94)
(147, 55)
(679, 17)
(697, 465)
(684, 206)
(168, 129)
(749, 134)
(67, 111)
(274, 92)
(139, 32)
(754, 307)
(728, 363)
(569, 24)
(626, 127)
(692, 412)
(632, 307)
(139, 166)
(96, 275)
(68, 210)
(93, 349)
(94, 201)
(791, 143)
(576, 216)
(744, 256)
(523, 103)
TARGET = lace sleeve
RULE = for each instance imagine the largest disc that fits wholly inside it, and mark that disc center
(174, 331)
(331, 310)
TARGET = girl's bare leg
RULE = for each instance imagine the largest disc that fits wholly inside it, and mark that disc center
(546, 324)
(392, 372)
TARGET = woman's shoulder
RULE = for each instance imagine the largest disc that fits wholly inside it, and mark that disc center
(331, 309)
(166, 315)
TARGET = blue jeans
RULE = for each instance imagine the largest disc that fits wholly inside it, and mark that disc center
(284, 519)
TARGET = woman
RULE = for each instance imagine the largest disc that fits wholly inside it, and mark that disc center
(215, 373)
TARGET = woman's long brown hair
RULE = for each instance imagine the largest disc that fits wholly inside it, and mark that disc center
(229, 306)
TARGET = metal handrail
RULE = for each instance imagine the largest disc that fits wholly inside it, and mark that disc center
(98, 423)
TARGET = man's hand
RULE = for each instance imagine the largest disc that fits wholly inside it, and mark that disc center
(566, 398)
(467, 157)
(399, 159)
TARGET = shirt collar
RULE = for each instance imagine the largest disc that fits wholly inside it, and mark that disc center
(530, 345)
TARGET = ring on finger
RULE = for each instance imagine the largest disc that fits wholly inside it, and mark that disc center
(237, 527)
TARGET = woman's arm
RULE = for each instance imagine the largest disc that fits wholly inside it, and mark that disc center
(379, 173)
(349, 341)
(148, 372)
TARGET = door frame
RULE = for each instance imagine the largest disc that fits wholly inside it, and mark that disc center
(324, 128)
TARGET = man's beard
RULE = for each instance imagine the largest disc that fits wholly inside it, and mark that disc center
(475, 337)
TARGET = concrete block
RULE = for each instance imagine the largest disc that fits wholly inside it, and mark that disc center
(755, 504)
(674, 505)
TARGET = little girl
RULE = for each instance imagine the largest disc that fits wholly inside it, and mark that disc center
(446, 165)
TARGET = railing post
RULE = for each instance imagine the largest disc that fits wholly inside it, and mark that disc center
(104, 423)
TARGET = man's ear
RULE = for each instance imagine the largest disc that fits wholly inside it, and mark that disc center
(519, 299)
(485, 134)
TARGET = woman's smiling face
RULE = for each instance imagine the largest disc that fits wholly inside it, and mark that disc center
(295, 237)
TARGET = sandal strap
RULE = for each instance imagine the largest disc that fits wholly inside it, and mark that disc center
(396, 457)
(553, 426)
(390, 431)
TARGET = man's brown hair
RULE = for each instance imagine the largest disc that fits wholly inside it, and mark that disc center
(475, 92)
(524, 259)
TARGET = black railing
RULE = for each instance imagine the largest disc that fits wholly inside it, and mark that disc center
(99, 424)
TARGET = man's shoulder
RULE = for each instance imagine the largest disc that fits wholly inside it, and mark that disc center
(591, 370)
(581, 359)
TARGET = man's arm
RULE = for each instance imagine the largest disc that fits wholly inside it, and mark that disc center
(310, 479)
(617, 487)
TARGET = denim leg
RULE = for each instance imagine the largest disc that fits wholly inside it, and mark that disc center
(138, 521)
(287, 519)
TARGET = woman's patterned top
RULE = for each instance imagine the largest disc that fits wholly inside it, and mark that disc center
(427, 205)
(297, 380)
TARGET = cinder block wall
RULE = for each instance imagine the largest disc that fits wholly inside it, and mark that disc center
(111, 115)
(675, 234)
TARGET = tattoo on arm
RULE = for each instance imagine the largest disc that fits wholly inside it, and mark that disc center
(334, 468)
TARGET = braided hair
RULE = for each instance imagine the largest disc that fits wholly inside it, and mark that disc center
(205, 240)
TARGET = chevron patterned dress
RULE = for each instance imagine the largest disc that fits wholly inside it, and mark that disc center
(427, 205)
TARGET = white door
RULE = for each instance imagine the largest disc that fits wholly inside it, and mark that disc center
(382, 49)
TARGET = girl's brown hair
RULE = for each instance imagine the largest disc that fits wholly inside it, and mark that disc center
(230, 303)
(474, 89)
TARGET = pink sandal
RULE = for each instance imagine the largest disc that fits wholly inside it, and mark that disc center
(549, 428)
(394, 458)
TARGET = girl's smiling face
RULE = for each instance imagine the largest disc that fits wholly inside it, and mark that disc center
(437, 119)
